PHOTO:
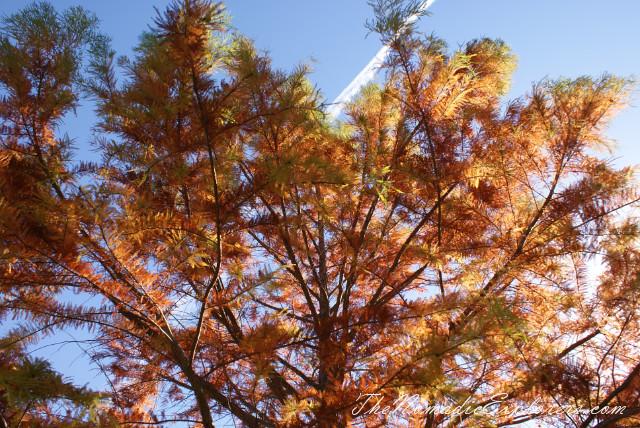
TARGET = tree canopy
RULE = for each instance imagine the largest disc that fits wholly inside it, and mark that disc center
(251, 258)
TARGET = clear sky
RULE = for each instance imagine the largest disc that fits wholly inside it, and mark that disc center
(551, 38)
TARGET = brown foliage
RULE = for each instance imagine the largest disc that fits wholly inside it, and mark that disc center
(254, 259)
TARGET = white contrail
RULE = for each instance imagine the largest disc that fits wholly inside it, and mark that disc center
(367, 73)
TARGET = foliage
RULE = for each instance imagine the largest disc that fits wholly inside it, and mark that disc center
(32, 393)
(257, 261)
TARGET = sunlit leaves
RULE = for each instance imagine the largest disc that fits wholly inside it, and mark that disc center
(253, 259)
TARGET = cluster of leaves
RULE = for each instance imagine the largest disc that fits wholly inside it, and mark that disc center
(32, 393)
(254, 259)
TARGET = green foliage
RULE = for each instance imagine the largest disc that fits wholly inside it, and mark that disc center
(32, 392)
(392, 16)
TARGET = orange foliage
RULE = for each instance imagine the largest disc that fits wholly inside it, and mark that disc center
(255, 259)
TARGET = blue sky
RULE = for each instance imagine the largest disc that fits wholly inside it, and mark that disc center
(551, 38)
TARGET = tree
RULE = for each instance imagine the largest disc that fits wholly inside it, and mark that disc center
(32, 393)
(256, 259)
